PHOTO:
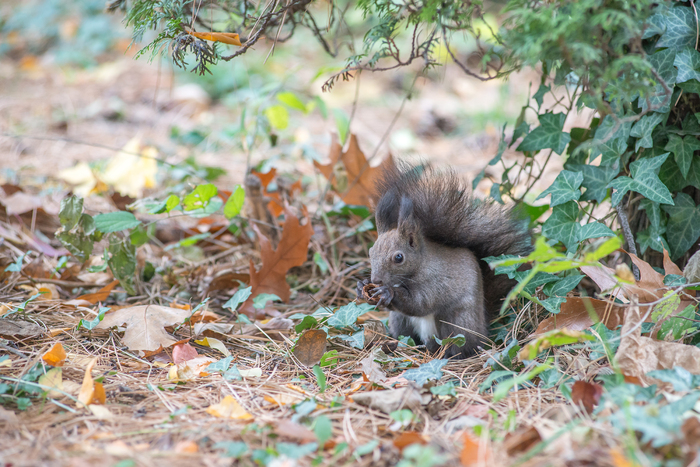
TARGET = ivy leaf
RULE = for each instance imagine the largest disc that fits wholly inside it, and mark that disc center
(594, 230)
(595, 180)
(356, 340)
(562, 225)
(683, 228)
(539, 95)
(645, 181)
(548, 135)
(683, 150)
(680, 30)
(457, 340)
(643, 128)
(553, 304)
(681, 379)
(565, 188)
(425, 372)
(688, 63)
(122, 263)
(610, 140)
(662, 61)
(260, 301)
(679, 325)
(239, 297)
(116, 221)
(346, 316)
(562, 286)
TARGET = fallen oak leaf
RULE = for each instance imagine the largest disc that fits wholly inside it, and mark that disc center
(229, 408)
(586, 394)
(578, 313)
(145, 325)
(56, 356)
(311, 346)
(101, 295)
(291, 251)
(521, 441)
(361, 177)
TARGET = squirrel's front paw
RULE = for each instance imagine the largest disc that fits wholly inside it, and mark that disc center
(359, 290)
(384, 294)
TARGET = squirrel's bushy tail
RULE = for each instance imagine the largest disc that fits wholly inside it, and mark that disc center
(449, 214)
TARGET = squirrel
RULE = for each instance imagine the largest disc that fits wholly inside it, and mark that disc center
(427, 264)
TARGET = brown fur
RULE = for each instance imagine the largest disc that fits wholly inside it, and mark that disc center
(442, 234)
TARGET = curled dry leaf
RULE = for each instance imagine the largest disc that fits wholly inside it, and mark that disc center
(145, 325)
(692, 269)
(87, 390)
(190, 369)
(586, 394)
(101, 295)
(579, 313)
(229, 408)
(311, 346)
(521, 441)
(230, 38)
(475, 452)
(372, 370)
(638, 355)
(276, 204)
(290, 252)
(361, 177)
(293, 431)
(56, 356)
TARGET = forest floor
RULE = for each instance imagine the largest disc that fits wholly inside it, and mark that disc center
(263, 401)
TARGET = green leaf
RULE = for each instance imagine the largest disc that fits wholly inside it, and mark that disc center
(232, 374)
(595, 180)
(457, 340)
(539, 95)
(426, 372)
(447, 389)
(607, 247)
(234, 204)
(683, 150)
(122, 263)
(610, 140)
(680, 29)
(200, 196)
(294, 451)
(565, 188)
(291, 100)
(321, 263)
(594, 230)
(278, 116)
(662, 61)
(320, 378)
(90, 325)
(17, 265)
(553, 338)
(116, 221)
(665, 307)
(683, 228)
(307, 323)
(645, 181)
(346, 316)
(562, 225)
(366, 448)
(239, 297)
(688, 63)
(681, 379)
(535, 212)
(675, 280)
(643, 129)
(78, 244)
(553, 304)
(548, 135)
(562, 286)
(261, 300)
(323, 429)
(680, 325)
(71, 209)
(220, 365)
(172, 202)
(356, 340)
(234, 449)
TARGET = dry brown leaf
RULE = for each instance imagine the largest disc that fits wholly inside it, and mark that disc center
(361, 177)
(186, 447)
(99, 396)
(230, 38)
(20, 202)
(586, 394)
(692, 269)
(638, 355)
(311, 346)
(574, 315)
(101, 295)
(183, 352)
(145, 325)
(669, 266)
(521, 441)
(291, 430)
(475, 452)
(291, 251)
(372, 370)
(56, 356)
(87, 390)
(229, 408)
(191, 369)
(408, 438)
(18, 329)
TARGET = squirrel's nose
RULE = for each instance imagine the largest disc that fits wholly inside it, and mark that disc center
(375, 280)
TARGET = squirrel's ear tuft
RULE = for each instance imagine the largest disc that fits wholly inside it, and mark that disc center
(408, 226)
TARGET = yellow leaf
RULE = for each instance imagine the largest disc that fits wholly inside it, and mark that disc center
(130, 173)
(226, 37)
(100, 411)
(229, 408)
(80, 176)
(87, 390)
(191, 369)
(53, 379)
(214, 344)
(56, 356)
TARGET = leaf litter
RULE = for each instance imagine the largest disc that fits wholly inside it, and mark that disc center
(172, 380)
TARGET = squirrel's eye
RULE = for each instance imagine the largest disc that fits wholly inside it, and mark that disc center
(398, 258)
